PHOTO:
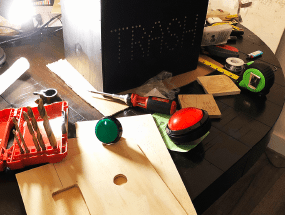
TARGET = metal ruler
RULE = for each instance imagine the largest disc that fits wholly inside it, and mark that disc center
(220, 69)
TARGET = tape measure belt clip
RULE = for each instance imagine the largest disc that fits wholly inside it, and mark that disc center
(253, 80)
(258, 78)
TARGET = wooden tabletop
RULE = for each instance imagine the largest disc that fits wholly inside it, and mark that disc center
(234, 144)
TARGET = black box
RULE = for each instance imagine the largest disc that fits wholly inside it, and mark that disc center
(118, 45)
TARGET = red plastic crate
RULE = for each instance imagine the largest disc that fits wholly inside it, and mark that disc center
(12, 157)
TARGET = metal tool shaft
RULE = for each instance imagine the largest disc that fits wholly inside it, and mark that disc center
(31, 130)
(115, 96)
(18, 142)
(36, 128)
(20, 134)
(47, 127)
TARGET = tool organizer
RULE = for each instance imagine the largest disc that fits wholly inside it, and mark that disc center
(12, 157)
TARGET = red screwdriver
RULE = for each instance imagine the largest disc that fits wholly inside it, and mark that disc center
(150, 103)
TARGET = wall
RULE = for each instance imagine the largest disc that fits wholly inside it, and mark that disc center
(277, 142)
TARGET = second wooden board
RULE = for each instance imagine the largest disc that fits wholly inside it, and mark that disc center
(204, 101)
(218, 85)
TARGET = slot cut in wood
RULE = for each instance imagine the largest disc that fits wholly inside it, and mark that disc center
(71, 200)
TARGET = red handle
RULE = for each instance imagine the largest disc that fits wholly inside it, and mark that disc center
(154, 104)
(139, 101)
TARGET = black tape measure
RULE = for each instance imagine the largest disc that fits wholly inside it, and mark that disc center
(256, 77)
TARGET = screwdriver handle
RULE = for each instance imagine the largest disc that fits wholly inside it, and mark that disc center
(154, 104)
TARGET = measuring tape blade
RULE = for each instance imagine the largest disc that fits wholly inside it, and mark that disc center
(220, 69)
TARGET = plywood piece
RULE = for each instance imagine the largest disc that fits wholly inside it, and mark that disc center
(91, 167)
(81, 87)
(204, 101)
(36, 186)
(93, 174)
(218, 85)
(144, 130)
(70, 201)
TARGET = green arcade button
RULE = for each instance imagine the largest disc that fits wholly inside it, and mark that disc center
(108, 130)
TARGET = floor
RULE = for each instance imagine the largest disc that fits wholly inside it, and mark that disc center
(260, 191)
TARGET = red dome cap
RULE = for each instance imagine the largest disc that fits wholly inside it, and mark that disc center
(185, 118)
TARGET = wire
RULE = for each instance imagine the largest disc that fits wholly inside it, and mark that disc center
(53, 18)
(34, 32)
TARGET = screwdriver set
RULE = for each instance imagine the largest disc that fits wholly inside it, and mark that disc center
(150, 103)
(33, 135)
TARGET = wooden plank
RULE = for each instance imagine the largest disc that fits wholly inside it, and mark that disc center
(94, 173)
(204, 101)
(153, 147)
(188, 77)
(218, 85)
(82, 87)
(87, 174)
(71, 201)
(36, 186)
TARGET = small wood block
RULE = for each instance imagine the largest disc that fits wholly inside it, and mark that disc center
(204, 101)
(218, 85)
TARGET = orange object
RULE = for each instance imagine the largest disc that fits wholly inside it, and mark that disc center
(15, 157)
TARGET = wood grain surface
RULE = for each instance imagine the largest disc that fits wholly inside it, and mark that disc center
(203, 101)
(218, 85)
(91, 167)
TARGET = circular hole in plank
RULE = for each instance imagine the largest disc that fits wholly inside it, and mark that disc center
(120, 179)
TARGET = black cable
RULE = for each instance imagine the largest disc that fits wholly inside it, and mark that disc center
(272, 162)
(29, 34)
(47, 23)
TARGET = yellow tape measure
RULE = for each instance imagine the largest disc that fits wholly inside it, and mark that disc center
(228, 23)
(225, 72)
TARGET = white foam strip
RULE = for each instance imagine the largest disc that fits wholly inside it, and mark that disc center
(81, 86)
(13, 73)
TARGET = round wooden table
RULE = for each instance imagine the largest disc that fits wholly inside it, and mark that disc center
(234, 144)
